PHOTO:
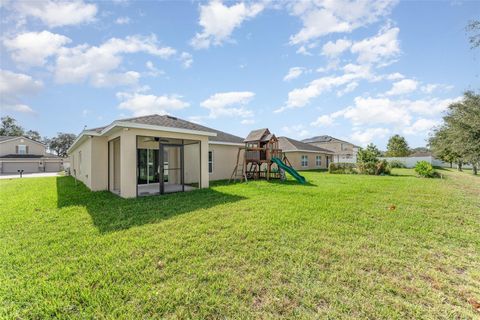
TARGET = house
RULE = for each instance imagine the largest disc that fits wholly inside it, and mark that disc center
(152, 154)
(21, 153)
(343, 151)
(305, 156)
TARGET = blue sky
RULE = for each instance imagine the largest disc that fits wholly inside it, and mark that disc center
(357, 70)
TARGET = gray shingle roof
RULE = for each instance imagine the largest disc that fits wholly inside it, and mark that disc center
(325, 138)
(257, 135)
(318, 139)
(290, 144)
(174, 122)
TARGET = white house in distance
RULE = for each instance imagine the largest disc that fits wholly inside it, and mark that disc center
(343, 151)
(152, 155)
(21, 153)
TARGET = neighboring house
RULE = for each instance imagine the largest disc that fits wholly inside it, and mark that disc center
(152, 155)
(22, 153)
(343, 151)
(304, 156)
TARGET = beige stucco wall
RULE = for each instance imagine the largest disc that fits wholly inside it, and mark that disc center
(82, 169)
(99, 164)
(224, 160)
(295, 159)
(8, 147)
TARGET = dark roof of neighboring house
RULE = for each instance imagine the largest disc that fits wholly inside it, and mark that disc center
(174, 122)
(325, 138)
(290, 144)
(259, 135)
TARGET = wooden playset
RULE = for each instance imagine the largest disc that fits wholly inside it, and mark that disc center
(262, 159)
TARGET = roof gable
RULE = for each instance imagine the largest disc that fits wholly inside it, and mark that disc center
(4, 139)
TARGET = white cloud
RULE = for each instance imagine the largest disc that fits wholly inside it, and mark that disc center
(92, 63)
(14, 87)
(430, 107)
(368, 111)
(431, 87)
(403, 87)
(218, 21)
(324, 121)
(324, 17)
(229, 104)
(348, 88)
(421, 126)
(334, 49)
(33, 48)
(187, 59)
(395, 76)
(303, 50)
(293, 73)
(379, 49)
(128, 78)
(296, 131)
(247, 121)
(145, 104)
(153, 71)
(301, 96)
(122, 20)
(364, 137)
(57, 13)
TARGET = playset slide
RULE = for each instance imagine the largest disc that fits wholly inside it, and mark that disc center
(290, 170)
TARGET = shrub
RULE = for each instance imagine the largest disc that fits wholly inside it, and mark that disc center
(342, 168)
(382, 167)
(425, 169)
(397, 164)
(374, 168)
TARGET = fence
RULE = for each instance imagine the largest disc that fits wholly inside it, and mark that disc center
(410, 162)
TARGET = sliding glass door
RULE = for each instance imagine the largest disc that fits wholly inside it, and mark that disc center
(148, 165)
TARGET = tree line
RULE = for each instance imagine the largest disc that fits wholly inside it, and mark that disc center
(57, 145)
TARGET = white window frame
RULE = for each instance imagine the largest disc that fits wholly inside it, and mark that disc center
(210, 161)
(304, 160)
(318, 161)
(22, 149)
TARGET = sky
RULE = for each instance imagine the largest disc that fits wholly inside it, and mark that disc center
(356, 70)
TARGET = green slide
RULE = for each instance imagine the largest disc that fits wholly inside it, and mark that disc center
(290, 170)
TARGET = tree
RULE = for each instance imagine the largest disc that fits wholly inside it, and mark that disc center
(474, 28)
(34, 135)
(61, 143)
(10, 127)
(459, 135)
(369, 154)
(397, 147)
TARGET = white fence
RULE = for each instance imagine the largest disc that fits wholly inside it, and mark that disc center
(410, 162)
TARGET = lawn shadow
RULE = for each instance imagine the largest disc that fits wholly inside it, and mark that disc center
(110, 212)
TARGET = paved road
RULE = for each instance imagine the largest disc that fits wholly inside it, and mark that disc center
(29, 175)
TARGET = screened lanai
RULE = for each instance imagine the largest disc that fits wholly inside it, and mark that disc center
(166, 165)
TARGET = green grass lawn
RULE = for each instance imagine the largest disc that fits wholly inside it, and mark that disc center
(330, 249)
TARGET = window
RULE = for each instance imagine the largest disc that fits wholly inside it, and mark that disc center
(210, 161)
(304, 161)
(318, 161)
(22, 149)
